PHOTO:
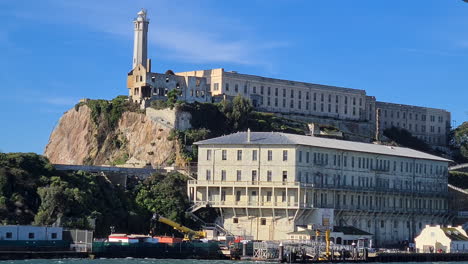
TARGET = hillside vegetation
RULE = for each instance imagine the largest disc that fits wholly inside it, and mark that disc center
(459, 143)
(405, 138)
(33, 192)
(458, 179)
(213, 120)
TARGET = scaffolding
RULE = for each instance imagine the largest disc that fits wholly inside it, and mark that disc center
(269, 250)
(266, 250)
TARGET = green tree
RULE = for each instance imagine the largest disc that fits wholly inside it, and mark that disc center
(405, 138)
(241, 109)
(172, 97)
(20, 175)
(165, 195)
(460, 142)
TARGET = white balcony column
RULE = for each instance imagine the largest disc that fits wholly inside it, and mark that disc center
(247, 195)
(274, 196)
(305, 197)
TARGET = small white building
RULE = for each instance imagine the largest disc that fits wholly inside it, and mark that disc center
(20, 232)
(442, 239)
(340, 235)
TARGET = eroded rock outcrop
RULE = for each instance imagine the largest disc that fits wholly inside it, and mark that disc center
(135, 140)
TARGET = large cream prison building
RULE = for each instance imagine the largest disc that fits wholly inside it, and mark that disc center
(329, 102)
(268, 185)
(349, 109)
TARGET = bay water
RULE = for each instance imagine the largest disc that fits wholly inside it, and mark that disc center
(158, 261)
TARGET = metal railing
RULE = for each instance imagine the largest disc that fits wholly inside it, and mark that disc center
(296, 184)
(245, 183)
(250, 204)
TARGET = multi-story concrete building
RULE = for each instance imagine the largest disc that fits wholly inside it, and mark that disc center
(350, 110)
(144, 85)
(330, 103)
(428, 124)
(291, 97)
(270, 184)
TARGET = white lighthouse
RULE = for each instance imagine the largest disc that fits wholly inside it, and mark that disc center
(140, 44)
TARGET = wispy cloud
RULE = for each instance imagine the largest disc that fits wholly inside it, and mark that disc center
(184, 34)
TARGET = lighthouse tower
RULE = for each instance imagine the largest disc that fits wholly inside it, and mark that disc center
(140, 44)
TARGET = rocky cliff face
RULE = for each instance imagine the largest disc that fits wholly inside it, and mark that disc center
(135, 140)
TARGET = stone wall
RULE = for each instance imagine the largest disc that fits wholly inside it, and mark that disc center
(170, 118)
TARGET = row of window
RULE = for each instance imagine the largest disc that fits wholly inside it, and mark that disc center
(368, 163)
(357, 201)
(263, 221)
(254, 155)
(253, 178)
(410, 127)
(357, 223)
(432, 118)
(267, 102)
(342, 180)
(9, 235)
(323, 97)
(339, 181)
(355, 162)
(315, 108)
(379, 202)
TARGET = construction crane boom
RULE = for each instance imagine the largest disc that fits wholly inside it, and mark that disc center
(189, 234)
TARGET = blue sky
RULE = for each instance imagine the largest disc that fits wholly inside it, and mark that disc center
(54, 52)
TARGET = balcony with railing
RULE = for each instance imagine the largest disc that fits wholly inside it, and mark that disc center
(391, 209)
(218, 183)
(374, 189)
(298, 205)
(253, 204)
(319, 186)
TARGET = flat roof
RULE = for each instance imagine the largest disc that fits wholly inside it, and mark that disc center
(277, 138)
(283, 81)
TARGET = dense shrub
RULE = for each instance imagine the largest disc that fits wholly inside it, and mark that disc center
(458, 179)
(404, 137)
(459, 143)
(158, 104)
(32, 191)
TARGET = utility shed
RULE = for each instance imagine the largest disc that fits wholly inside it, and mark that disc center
(433, 239)
(20, 232)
